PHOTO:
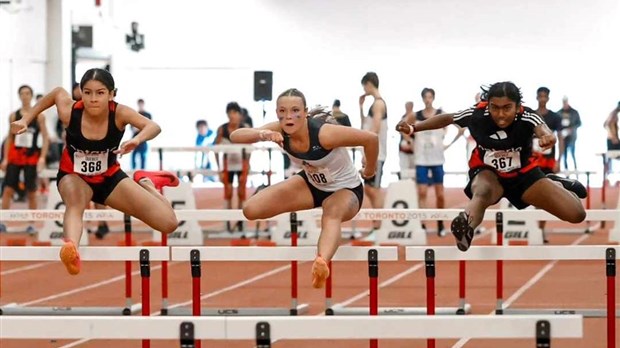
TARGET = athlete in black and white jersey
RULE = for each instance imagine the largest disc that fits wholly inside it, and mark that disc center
(501, 164)
(328, 179)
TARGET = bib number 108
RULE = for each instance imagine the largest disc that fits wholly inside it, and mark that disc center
(319, 178)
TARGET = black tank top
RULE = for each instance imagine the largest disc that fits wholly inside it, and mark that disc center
(33, 128)
(76, 142)
(373, 104)
(316, 151)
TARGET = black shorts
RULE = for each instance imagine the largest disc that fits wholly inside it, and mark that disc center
(319, 196)
(375, 181)
(612, 146)
(513, 187)
(102, 190)
(11, 178)
(230, 176)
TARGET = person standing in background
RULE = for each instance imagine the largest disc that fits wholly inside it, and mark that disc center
(405, 148)
(570, 122)
(25, 152)
(546, 159)
(234, 164)
(429, 157)
(376, 122)
(339, 116)
(205, 137)
(140, 151)
(613, 142)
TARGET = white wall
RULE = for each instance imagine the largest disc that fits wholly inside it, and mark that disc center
(23, 52)
(201, 54)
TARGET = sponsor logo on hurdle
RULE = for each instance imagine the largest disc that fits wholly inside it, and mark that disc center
(307, 231)
(227, 311)
(404, 228)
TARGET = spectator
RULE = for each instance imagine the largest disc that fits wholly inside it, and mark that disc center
(570, 122)
(140, 151)
(611, 124)
(339, 116)
(405, 148)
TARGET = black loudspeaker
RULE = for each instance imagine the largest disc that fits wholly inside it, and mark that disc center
(263, 81)
(82, 36)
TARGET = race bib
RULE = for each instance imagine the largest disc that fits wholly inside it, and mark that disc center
(319, 176)
(24, 139)
(502, 161)
(90, 164)
(536, 148)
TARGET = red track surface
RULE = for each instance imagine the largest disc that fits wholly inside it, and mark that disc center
(566, 284)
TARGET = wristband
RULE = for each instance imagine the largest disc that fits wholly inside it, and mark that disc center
(411, 129)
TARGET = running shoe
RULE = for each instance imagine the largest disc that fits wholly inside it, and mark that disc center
(463, 233)
(159, 178)
(70, 256)
(320, 272)
(570, 184)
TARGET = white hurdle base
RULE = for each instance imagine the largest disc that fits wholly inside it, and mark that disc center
(71, 311)
(586, 313)
(341, 310)
(239, 312)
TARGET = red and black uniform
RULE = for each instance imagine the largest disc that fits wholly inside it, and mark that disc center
(507, 152)
(546, 159)
(92, 160)
(235, 163)
(24, 153)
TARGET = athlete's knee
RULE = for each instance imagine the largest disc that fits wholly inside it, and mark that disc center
(253, 211)
(577, 215)
(169, 223)
(484, 192)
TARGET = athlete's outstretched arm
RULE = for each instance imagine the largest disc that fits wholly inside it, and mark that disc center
(269, 132)
(59, 97)
(148, 128)
(435, 122)
(333, 136)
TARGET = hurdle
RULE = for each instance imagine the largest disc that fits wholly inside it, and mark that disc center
(89, 215)
(532, 253)
(48, 253)
(197, 254)
(541, 329)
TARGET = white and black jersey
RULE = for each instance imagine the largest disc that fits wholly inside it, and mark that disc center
(327, 170)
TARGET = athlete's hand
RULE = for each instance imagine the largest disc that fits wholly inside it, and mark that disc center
(404, 128)
(556, 167)
(19, 126)
(268, 135)
(3, 165)
(368, 172)
(127, 147)
(547, 141)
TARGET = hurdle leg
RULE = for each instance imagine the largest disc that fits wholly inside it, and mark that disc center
(462, 278)
(373, 288)
(610, 258)
(164, 279)
(196, 274)
(429, 263)
(145, 273)
(499, 265)
(328, 291)
(294, 276)
(128, 290)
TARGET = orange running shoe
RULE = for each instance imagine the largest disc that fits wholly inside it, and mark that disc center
(159, 178)
(320, 272)
(70, 256)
